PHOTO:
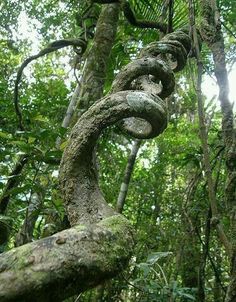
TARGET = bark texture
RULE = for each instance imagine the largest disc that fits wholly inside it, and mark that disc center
(83, 199)
(67, 263)
(144, 116)
(97, 58)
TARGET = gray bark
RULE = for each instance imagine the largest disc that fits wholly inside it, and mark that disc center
(83, 199)
(82, 196)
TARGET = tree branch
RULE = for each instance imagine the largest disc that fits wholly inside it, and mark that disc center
(66, 263)
(12, 182)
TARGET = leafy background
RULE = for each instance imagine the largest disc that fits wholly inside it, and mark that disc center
(167, 189)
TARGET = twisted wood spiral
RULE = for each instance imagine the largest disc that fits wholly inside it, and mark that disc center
(137, 101)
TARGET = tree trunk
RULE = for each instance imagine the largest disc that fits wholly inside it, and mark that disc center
(191, 255)
(25, 233)
(127, 175)
(5, 198)
(94, 75)
(212, 34)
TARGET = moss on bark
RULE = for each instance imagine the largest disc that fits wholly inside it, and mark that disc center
(66, 263)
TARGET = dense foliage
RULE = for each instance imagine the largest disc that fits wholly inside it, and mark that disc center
(178, 253)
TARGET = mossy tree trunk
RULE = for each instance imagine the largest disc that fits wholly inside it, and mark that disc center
(94, 75)
(66, 263)
(212, 34)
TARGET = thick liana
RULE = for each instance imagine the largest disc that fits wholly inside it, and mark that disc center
(137, 98)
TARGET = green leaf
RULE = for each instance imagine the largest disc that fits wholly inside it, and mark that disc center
(190, 297)
(63, 145)
(145, 268)
(5, 135)
(154, 257)
(41, 118)
(31, 139)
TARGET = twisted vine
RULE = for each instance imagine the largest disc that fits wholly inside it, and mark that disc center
(137, 98)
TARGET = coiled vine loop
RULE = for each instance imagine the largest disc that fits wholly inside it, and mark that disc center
(137, 98)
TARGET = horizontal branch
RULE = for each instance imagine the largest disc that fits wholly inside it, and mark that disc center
(67, 263)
